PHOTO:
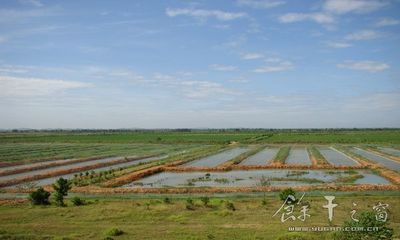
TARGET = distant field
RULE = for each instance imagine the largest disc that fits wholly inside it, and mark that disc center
(10, 152)
(155, 219)
(219, 137)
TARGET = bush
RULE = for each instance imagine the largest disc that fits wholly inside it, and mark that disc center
(39, 197)
(230, 206)
(61, 187)
(167, 200)
(366, 219)
(77, 201)
(285, 193)
(115, 232)
(264, 202)
(189, 204)
(205, 200)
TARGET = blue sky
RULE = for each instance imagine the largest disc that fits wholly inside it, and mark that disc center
(214, 64)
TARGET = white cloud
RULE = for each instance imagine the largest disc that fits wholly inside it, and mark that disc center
(381, 101)
(387, 22)
(339, 44)
(363, 35)
(275, 66)
(203, 89)
(203, 13)
(28, 87)
(260, 3)
(35, 3)
(355, 6)
(369, 66)
(252, 56)
(224, 68)
(317, 17)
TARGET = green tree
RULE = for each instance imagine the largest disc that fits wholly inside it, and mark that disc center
(39, 197)
(61, 187)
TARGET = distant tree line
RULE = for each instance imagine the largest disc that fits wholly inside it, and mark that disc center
(194, 130)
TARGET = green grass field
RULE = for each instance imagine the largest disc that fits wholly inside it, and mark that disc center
(152, 218)
(244, 136)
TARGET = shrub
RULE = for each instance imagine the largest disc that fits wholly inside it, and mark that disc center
(61, 187)
(39, 197)
(205, 200)
(264, 202)
(285, 193)
(77, 201)
(167, 200)
(366, 219)
(115, 232)
(189, 204)
(230, 206)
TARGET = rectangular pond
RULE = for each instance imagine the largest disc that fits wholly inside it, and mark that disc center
(51, 180)
(391, 151)
(29, 165)
(391, 164)
(337, 158)
(298, 156)
(58, 168)
(216, 159)
(251, 178)
(263, 157)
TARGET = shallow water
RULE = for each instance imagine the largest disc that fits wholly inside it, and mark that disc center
(261, 158)
(216, 159)
(336, 158)
(248, 178)
(64, 167)
(390, 151)
(391, 164)
(34, 164)
(47, 181)
(298, 156)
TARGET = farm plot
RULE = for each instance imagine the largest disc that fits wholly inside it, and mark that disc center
(261, 158)
(58, 168)
(34, 152)
(252, 178)
(298, 156)
(37, 164)
(391, 164)
(216, 159)
(337, 158)
(390, 151)
(50, 180)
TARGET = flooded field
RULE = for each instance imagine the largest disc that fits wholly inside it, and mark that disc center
(390, 151)
(298, 156)
(64, 167)
(47, 181)
(337, 158)
(391, 164)
(261, 158)
(31, 165)
(251, 178)
(217, 159)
